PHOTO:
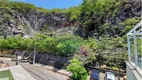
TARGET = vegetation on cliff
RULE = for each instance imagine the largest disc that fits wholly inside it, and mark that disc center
(97, 18)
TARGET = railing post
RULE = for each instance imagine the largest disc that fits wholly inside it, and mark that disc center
(129, 52)
(135, 49)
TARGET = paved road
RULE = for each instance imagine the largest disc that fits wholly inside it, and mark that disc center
(39, 73)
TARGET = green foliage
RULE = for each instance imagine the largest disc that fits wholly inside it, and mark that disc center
(139, 47)
(128, 24)
(88, 6)
(4, 0)
(54, 10)
(130, 21)
(21, 6)
(88, 51)
(3, 44)
(99, 7)
(57, 10)
(117, 60)
(18, 42)
(102, 7)
(67, 45)
(91, 44)
(13, 42)
(92, 14)
(95, 13)
(40, 9)
(45, 43)
(77, 69)
(114, 51)
(73, 13)
(25, 7)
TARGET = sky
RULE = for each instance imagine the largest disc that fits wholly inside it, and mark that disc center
(50, 4)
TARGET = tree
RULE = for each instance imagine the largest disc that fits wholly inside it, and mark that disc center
(13, 42)
(3, 44)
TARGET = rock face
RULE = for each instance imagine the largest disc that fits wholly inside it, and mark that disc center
(13, 22)
(111, 25)
(127, 10)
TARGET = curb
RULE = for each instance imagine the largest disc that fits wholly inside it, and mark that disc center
(38, 65)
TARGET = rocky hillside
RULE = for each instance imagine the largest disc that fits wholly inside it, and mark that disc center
(109, 18)
(27, 21)
(116, 19)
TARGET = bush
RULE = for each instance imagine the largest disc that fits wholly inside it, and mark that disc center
(87, 52)
(46, 44)
(18, 42)
(77, 69)
(3, 44)
(67, 45)
(66, 48)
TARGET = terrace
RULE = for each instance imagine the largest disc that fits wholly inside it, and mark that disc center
(14, 73)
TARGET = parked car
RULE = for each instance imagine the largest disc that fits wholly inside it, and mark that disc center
(109, 76)
(94, 75)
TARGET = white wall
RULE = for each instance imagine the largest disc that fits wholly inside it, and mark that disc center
(130, 75)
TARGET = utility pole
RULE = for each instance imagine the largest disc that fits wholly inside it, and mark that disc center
(34, 52)
(17, 58)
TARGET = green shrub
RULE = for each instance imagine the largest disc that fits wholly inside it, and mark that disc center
(77, 69)
(18, 42)
(3, 44)
(46, 45)
(66, 48)
(67, 45)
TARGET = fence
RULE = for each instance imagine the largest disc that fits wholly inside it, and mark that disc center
(52, 60)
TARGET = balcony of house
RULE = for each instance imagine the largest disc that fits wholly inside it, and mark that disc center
(134, 63)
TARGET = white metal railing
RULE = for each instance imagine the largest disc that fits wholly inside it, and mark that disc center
(134, 56)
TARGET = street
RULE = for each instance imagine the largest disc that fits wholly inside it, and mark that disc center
(39, 73)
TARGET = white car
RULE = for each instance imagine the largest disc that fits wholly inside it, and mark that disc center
(109, 76)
